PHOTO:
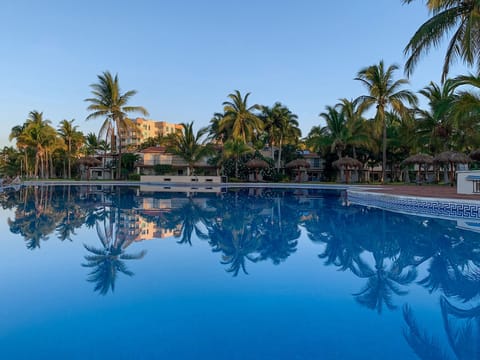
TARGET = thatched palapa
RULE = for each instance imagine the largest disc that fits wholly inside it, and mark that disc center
(418, 159)
(297, 164)
(256, 164)
(347, 162)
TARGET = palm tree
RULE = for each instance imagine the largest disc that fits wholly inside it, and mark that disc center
(189, 146)
(109, 103)
(355, 123)
(234, 149)
(385, 93)
(214, 131)
(466, 113)
(336, 130)
(280, 126)
(457, 17)
(72, 138)
(18, 133)
(437, 124)
(41, 136)
(91, 143)
(239, 121)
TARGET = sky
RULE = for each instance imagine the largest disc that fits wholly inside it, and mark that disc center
(184, 57)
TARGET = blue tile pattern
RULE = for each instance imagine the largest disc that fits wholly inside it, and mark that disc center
(465, 209)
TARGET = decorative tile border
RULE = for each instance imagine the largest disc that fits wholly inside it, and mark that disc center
(445, 208)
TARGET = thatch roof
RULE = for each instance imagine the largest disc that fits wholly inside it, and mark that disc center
(256, 164)
(475, 155)
(347, 162)
(451, 157)
(298, 163)
(418, 159)
(89, 161)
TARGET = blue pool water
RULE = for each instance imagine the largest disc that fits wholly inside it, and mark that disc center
(126, 273)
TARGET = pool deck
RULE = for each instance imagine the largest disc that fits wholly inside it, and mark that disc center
(430, 191)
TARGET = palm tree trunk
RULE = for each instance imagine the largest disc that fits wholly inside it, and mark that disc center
(69, 156)
(37, 163)
(119, 152)
(342, 171)
(26, 162)
(384, 151)
(355, 171)
(52, 168)
(280, 143)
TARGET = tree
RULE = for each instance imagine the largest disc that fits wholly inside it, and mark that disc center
(10, 161)
(128, 162)
(188, 145)
(457, 17)
(466, 112)
(281, 127)
(239, 121)
(73, 139)
(109, 103)
(355, 123)
(234, 149)
(437, 123)
(91, 143)
(336, 130)
(214, 131)
(39, 135)
(18, 133)
(384, 93)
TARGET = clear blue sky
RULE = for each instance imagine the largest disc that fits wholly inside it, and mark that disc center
(185, 57)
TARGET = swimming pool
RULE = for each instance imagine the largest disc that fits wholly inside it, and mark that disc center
(121, 272)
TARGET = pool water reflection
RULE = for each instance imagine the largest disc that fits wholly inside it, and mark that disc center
(119, 272)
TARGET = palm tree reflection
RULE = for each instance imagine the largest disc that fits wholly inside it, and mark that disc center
(384, 282)
(462, 327)
(106, 262)
(235, 232)
(253, 226)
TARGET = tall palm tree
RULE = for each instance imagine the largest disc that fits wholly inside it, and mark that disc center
(72, 138)
(214, 131)
(355, 123)
(336, 130)
(437, 123)
(384, 92)
(466, 113)
(40, 135)
(109, 103)
(91, 143)
(461, 18)
(280, 126)
(189, 146)
(239, 120)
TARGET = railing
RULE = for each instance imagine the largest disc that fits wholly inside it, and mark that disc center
(156, 162)
(180, 179)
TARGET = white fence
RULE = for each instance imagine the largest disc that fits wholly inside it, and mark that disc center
(177, 179)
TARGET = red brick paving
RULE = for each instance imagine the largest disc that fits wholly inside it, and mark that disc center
(436, 191)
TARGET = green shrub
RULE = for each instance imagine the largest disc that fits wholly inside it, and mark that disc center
(134, 177)
(162, 169)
